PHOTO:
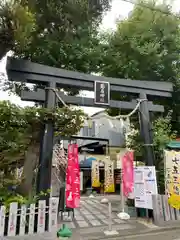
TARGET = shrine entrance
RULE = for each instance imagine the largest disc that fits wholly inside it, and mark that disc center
(53, 78)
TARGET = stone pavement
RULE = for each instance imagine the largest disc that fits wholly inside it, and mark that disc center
(91, 220)
(92, 214)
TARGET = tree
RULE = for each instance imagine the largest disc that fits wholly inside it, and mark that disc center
(20, 130)
(65, 38)
(162, 135)
(64, 34)
(146, 46)
(52, 32)
(57, 33)
(17, 23)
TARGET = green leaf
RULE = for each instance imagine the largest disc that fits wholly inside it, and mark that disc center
(20, 131)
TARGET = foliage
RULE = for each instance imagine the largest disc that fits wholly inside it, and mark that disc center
(57, 33)
(8, 183)
(146, 46)
(134, 141)
(17, 24)
(63, 34)
(162, 135)
(11, 196)
(20, 129)
(64, 38)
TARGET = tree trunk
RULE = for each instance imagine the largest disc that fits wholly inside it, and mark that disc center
(30, 163)
(3, 51)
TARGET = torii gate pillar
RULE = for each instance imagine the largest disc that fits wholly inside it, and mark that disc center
(146, 131)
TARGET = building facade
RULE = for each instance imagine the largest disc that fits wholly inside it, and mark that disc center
(102, 136)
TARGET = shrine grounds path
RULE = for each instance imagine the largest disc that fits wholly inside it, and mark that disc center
(91, 220)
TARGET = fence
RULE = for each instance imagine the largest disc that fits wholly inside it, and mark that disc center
(21, 220)
(162, 212)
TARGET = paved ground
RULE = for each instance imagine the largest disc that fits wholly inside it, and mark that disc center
(159, 235)
(92, 219)
(162, 235)
(90, 222)
(93, 214)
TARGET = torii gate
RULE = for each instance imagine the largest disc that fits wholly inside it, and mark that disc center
(29, 72)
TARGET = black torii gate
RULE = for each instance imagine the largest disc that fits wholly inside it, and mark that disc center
(29, 72)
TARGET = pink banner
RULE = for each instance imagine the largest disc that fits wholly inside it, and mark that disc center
(73, 178)
(128, 173)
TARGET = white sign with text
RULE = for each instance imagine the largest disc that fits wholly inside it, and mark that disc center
(145, 185)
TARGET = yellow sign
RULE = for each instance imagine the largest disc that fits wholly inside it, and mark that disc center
(172, 178)
(95, 174)
(174, 201)
(172, 172)
(109, 177)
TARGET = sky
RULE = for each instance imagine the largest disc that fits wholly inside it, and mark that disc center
(119, 9)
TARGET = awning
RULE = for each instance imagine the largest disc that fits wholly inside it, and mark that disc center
(174, 145)
(87, 163)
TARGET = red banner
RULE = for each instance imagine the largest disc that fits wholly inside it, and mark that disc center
(128, 173)
(73, 178)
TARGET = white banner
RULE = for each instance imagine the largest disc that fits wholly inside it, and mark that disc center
(145, 185)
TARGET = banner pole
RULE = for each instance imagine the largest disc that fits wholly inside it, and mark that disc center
(110, 216)
(105, 200)
(122, 194)
(110, 231)
(122, 215)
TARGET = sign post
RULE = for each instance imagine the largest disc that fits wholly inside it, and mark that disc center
(110, 231)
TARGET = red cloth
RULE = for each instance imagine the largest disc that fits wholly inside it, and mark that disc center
(128, 173)
(73, 178)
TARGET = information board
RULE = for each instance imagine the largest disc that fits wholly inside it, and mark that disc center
(145, 185)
